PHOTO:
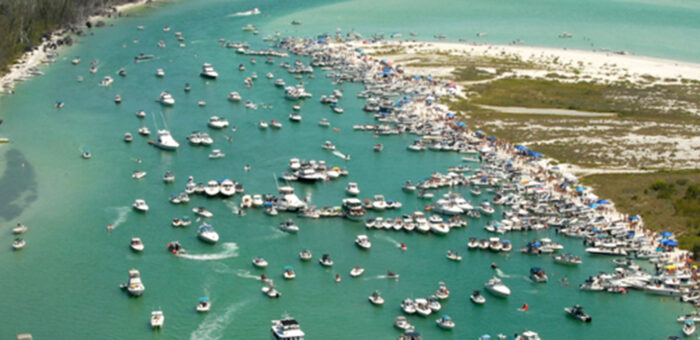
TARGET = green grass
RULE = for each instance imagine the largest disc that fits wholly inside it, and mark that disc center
(666, 200)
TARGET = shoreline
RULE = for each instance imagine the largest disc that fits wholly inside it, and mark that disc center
(45, 53)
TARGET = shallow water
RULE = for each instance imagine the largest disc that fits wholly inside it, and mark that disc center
(66, 280)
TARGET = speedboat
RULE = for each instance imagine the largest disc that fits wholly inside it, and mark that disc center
(201, 211)
(128, 138)
(207, 234)
(325, 260)
(689, 327)
(496, 287)
(227, 188)
(486, 208)
(169, 177)
(166, 99)
(259, 262)
(18, 243)
(378, 147)
(453, 256)
(408, 306)
(402, 323)
(434, 304)
(289, 273)
(275, 124)
(289, 226)
(176, 248)
(166, 141)
(280, 82)
(567, 259)
(160, 73)
(408, 186)
(141, 114)
(217, 122)
(295, 117)
(537, 274)
(263, 124)
(234, 96)
(391, 275)
(117, 98)
(356, 271)
(216, 153)
(86, 154)
(75, 61)
(324, 122)
(106, 81)
(212, 189)
(305, 255)
(443, 292)
(19, 229)
(422, 307)
(577, 312)
(144, 131)
(157, 319)
(257, 200)
(328, 145)
(363, 242)
(477, 298)
(376, 299)
(122, 72)
(208, 72)
(352, 189)
(140, 205)
(473, 243)
(445, 322)
(136, 244)
(135, 286)
(203, 305)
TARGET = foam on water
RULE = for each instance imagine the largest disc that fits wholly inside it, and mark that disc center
(245, 274)
(393, 241)
(230, 249)
(122, 213)
(214, 324)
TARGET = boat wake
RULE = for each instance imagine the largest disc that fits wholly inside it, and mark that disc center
(253, 11)
(233, 206)
(276, 233)
(387, 238)
(230, 249)
(245, 274)
(122, 213)
(213, 326)
(378, 277)
(500, 273)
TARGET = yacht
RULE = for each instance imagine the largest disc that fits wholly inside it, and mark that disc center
(160, 73)
(577, 312)
(259, 262)
(128, 138)
(356, 271)
(305, 255)
(216, 122)
(289, 226)
(144, 131)
(212, 189)
(445, 322)
(227, 188)
(166, 141)
(203, 305)
(135, 287)
(18, 243)
(352, 189)
(376, 299)
(408, 306)
(477, 298)
(207, 234)
(216, 153)
(328, 145)
(208, 72)
(288, 201)
(157, 319)
(140, 205)
(353, 209)
(496, 287)
(136, 244)
(325, 260)
(141, 114)
(166, 99)
(234, 97)
(363, 242)
(286, 329)
(288, 273)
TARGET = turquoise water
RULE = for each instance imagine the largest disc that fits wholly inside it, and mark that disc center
(64, 284)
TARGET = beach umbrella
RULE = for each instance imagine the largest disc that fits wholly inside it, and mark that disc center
(450, 115)
(492, 138)
(666, 234)
(634, 218)
(593, 205)
(521, 148)
(672, 243)
(603, 202)
(462, 124)
(580, 189)
(631, 233)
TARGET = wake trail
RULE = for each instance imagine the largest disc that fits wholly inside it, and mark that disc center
(230, 249)
(122, 213)
(213, 325)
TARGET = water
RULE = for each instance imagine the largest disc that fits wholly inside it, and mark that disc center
(66, 279)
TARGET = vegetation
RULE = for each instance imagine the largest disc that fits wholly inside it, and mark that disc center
(24, 22)
(666, 200)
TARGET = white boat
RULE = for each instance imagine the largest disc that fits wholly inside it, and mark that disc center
(203, 305)
(440, 228)
(325, 260)
(18, 243)
(136, 244)
(289, 273)
(257, 200)
(216, 153)
(445, 322)
(295, 117)
(486, 208)
(207, 234)
(453, 256)
(208, 72)
(86, 154)
(263, 124)
(117, 98)
(166, 99)
(408, 306)
(327, 145)
(140, 205)
(288, 201)
(160, 73)
(275, 124)
(352, 189)
(135, 286)
(227, 188)
(201, 211)
(477, 298)
(19, 229)
(286, 329)
(144, 131)
(496, 287)
(577, 312)
(422, 307)
(289, 226)
(75, 61)
(689, 327)
(166, 141)
(169, 177)
(606, 251)
(157, 319)
(234, 96)
(363, 242)
(356, 271)
(141, 114)
(259, 262)
(376, 299)
(107, 81)
(212, 189)
(305, 255)
(128, 138)
(217, 122)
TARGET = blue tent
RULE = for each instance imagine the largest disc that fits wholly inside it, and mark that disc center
(672, 243)
(416, 77)
(450, 115)
(634, 218)
(593, 205)
(666, 234)
(462, 124)
(580, 189)
(521, 148)
(603, 202)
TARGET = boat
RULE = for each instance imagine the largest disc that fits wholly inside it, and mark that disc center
(496, 287)
(259, 262)
(279, 82)
(234, 97)
(376, 299)
(86, 154)
(106, 81)
(305, 255)
(356, 271)
(128, 137)
(473, 243)
(136, 244)
(486, 208)
(169, 177)
(402, 323)
(408, 187)
(528, 335)
(157, 319)
(18, 243)
(227, 188)
(352, 189)
(408, 306)
(203, 305)
(353, 209)
(445, 322)
(325, 260)
(606, 251)
(363, 242)
(453, 256)
(216, 122)
(327, 145)
(567, 259)
(288, 273)
(207, 234)
(212, 189)
(122, 72)
(538, 274)
(160, 73)
(144, 131)
(434, 304)
(286, 329)
(135, 286)
(208, 72)
(577, 312)
(216, 153)
(688, 327)
(166, 141)
(143, 57)
(140, 205)
(19, 229)
(275, 124)
(422, 307)
(442, 292)
(141, 114)
(176, 248)
(378, 147)
(201, 211)
(295, 117)
(324, 122)
(391, 275)
(289, 226)
(75, 61)
(477, 298)
(270, 291)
